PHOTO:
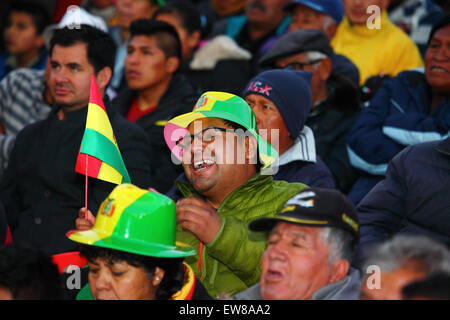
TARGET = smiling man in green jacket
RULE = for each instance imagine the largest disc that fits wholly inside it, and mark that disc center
(225, 187)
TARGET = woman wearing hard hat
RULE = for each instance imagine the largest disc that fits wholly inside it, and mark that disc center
(131, 250)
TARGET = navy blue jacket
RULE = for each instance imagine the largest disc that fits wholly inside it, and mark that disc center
(312, 174)
(397, 116)
(414, 198)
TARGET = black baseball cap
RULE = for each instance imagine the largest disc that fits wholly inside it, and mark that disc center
(315, 207)
(295, 42)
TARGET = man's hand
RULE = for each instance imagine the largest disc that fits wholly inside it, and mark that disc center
(85, 220)
(199, 217)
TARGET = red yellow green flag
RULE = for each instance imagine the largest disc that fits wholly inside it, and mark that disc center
(99, 156)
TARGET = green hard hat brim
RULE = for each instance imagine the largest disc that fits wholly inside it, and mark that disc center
(132, 246)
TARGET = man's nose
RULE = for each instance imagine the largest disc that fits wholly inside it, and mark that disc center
(59, 76)
(277, 251)
(131, 58)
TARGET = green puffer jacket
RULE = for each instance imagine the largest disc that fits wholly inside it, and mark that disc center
(231, 260)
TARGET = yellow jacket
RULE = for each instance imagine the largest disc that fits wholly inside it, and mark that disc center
(387, 50)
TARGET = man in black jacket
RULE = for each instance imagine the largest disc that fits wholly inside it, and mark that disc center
(335, 101)
(413, 198)
(157, 93)
(40, 189)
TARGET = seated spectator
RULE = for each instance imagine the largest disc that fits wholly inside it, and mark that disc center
(134, 235)
(324, 15)
(211, 65)
(23, 37)
(335, 103)
(416, 18)
(435, 286)
(372, 42)
(309, 247)
(256, 30)
(408, 109)
(40, 188)
(24, 93)
(281, 101)
(412, 199)
(126, 12)
(220, 194)
(27, 274)
(399, 261)
(185, 18)
(156, 91)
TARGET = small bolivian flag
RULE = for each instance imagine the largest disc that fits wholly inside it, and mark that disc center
(99, 156)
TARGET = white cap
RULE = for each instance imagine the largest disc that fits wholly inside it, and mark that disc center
(75, 16)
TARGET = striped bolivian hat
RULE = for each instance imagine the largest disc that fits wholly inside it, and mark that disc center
(227, 106)
(137, 221)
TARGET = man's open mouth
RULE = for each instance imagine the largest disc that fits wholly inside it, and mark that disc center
(203, 164)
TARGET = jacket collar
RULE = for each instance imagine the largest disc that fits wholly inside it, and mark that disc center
(234, 199)
(304, 149)
(177, 88)
(346, 289)
(420, 90)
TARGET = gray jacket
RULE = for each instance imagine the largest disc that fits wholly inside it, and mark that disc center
(346, 289)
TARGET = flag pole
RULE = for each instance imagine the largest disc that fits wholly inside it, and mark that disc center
(86, 189)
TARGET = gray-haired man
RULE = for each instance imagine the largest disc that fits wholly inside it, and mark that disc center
(395, 263)
(309, 247)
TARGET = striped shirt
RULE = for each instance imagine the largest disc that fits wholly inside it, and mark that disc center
(21, 102)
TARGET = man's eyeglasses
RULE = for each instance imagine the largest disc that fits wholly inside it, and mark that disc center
(299, 66)
(207, 135)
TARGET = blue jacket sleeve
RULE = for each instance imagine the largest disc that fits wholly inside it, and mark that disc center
(369, 149)
(417, 128)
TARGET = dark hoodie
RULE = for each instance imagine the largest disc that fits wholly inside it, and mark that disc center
(179, 98)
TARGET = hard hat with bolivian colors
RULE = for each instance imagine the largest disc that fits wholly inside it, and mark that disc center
(215, 104)
(138, 221)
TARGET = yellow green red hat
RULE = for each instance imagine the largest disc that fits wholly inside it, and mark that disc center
(135, 220)
(215, 104)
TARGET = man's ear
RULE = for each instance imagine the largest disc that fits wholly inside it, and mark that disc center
(193, 39)
(325, 69)
(172, 64)
(103, 77)
(340, 269)
(331, 30)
